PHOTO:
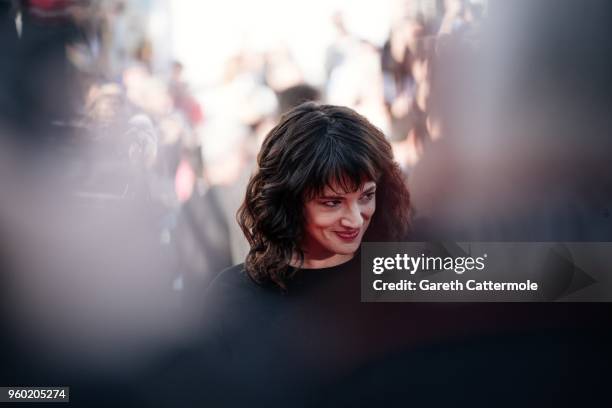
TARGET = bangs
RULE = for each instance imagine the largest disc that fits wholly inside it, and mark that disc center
(343, 169)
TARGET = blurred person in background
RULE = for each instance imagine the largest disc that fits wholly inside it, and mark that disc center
(397, 56)
(341, 47)
(358, 84)
(45, 73)
(409, 128)
(124, 143)
(295, 96)
(515, 167)
(440, 66)
(203, 231)
(182, 97)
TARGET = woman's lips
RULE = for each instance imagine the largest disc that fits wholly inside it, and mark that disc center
(348, 235)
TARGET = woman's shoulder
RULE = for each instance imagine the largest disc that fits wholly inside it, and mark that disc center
(234, 277)
(235, 283)
(234, 303)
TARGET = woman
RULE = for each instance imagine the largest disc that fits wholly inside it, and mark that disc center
(314, 196)
(287, 324)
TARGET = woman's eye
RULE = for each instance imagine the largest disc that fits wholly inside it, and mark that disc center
(331, 203)
(368, 197)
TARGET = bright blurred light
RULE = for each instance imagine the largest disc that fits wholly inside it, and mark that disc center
(206, 35)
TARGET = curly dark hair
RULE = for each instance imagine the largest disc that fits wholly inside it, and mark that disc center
(312, 147)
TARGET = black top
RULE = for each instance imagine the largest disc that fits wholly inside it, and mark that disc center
(278, 347)
(318, 345)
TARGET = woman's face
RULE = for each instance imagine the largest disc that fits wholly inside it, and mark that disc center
(336, 222)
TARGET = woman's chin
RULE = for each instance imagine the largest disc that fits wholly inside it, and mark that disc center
(346, 248)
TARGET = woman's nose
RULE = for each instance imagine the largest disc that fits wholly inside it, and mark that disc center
(352, 217)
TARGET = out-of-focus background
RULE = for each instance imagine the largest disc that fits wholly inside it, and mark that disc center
(130, 129)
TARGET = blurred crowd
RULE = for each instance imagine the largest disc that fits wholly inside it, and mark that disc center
(69, 88)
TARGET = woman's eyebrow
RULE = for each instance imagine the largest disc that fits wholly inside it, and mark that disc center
(370, 190)
(330, 197)
(340, 197)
